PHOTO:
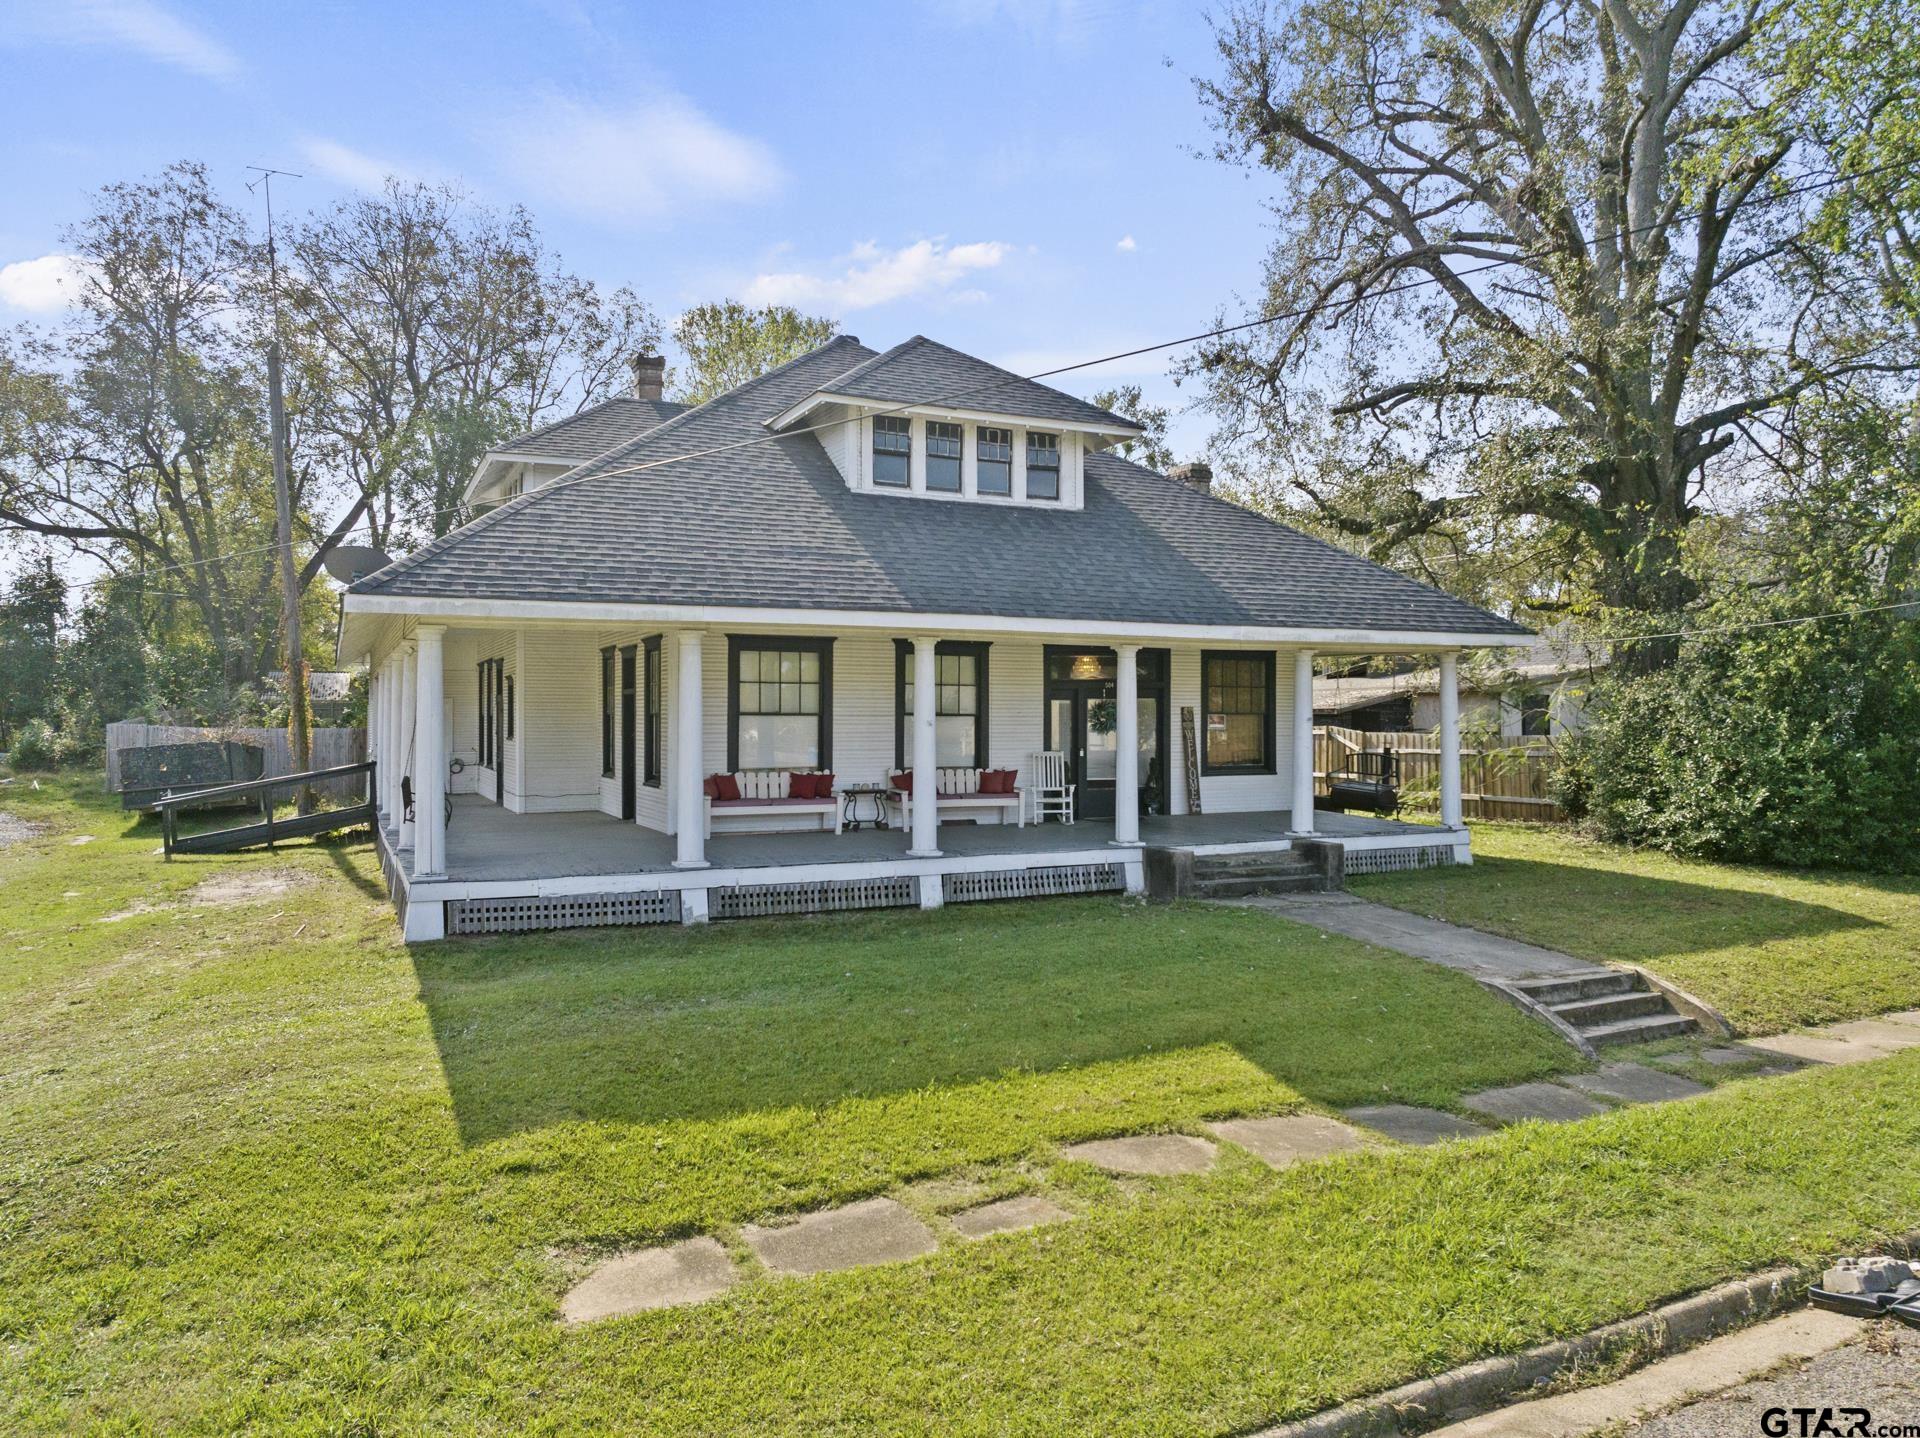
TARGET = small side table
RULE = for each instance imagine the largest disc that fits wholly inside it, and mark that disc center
(851, 796)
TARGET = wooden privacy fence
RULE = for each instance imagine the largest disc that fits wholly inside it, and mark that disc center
(332, 749)
(1494, 783)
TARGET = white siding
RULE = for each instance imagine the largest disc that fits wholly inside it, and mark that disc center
(555, 752)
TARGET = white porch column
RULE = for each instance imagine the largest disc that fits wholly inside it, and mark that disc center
(925, 842)
(1126, 757)
(430, 745)
(1302, 816)
(1450, 740)
(377, 738)
(689, 756)
(392, 759)
(404, 754)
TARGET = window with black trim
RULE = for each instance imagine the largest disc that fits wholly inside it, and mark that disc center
(780, 703)
(1238, 689)
(960, 704)
(1536, 715)
(650, 675)
(993, 462)
(509, 706)
(943, 457)
(1043, 466)
(892, 450)
(609, 700)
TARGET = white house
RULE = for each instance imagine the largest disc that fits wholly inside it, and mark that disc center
(1535, 692)
(856, 565)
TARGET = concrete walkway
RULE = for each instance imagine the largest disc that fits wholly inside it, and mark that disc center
(1468, 950)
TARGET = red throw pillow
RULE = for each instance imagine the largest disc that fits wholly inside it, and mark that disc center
(904, 782)
(823, 786)
(1002, 781)
(712, 787)
(799, 786)
(725, 786)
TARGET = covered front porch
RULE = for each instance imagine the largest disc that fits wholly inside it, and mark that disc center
(550, 775)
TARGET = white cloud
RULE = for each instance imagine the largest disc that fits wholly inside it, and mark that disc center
(1125, 245)
(138, 25)
(347, 166)
(872, 276)
(42, 286)
(646, 162)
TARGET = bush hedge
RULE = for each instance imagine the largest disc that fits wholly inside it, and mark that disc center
(1795, 745)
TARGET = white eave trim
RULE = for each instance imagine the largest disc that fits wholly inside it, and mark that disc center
(524, 611)
(1025, 421)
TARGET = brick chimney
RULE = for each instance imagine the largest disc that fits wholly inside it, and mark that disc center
(649, 374)
(1197, 475)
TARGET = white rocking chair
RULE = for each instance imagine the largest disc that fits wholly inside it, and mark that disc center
(1050, 794)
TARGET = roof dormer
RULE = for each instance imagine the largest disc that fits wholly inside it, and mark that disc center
(926, 421)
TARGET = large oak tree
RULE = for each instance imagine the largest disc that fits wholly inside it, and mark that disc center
(1546, 272)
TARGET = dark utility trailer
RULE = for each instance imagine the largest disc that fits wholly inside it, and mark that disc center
(268, 828)
(153, 770)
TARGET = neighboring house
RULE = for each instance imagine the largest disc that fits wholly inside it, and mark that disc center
(329, 692)
(858, 564)
(1536, 692)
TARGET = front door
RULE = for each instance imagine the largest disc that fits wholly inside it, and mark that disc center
(1081, 723)
(626, 732)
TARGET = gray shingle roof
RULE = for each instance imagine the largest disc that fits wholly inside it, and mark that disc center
(592, 432)
(922, 371)
(771, 524)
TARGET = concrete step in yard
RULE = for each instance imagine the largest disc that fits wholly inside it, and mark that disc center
(1240, 876)
(1609, 1007)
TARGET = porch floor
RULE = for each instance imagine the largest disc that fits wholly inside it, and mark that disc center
(486, 843)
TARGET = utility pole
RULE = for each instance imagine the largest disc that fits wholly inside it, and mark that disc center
(299, 739)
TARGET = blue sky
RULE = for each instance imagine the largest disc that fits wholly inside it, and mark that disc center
(1014, 177)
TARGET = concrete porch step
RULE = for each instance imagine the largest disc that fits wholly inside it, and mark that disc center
(1639, 1031)
(1588, 1013)
(1229, 866)
(1246, 887)
(1574, 988)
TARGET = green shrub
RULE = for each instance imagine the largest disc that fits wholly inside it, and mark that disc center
(35, 747)
(1796, 745)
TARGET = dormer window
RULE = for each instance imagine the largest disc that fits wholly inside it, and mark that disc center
(1043, 465)
(995, 461)
(943, 457)
(892, 450)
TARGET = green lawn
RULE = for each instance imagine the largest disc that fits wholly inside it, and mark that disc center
(1772, 949)
(263, 1169)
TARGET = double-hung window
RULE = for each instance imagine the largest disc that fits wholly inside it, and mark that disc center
(960, 704)
(609, 702)
(943, 457)
(1043, 466)
(781, 693)
(892, 450)
(1238, 688)
(994, 462)
(650, 676)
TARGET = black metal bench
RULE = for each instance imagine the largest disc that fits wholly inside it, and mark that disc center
(1370, 780)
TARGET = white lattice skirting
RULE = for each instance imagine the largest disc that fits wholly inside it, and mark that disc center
(564, 911)
(1389, 861)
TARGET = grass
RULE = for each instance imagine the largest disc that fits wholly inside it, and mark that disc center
(263, 1169)
(1772, 949)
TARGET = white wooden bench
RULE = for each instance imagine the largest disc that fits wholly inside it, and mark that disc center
(960, 789)
(764, 792)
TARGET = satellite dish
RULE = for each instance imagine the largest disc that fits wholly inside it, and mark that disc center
(348, 562)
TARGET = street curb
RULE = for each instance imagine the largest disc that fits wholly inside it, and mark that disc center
(1428, 1402)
